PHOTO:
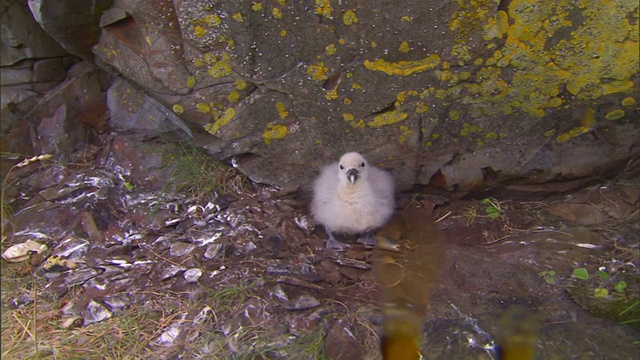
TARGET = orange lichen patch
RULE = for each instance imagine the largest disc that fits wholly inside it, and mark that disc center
(349, 18)
(388, 118)
(274, 132)
(403, 68)
(576, 131)
(223, 120)
(615, 115)
(324, 9)
(318, 71)
(282, 110)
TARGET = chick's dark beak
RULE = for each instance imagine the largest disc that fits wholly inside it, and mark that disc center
(352, 175)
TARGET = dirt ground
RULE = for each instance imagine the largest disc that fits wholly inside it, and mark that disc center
(241, 272)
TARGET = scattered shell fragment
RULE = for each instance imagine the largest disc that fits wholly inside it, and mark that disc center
(20, 252)
(192, 275)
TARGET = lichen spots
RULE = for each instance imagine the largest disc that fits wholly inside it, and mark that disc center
(330, 49)
(324, 9)
(219, 69)
(405, 131)
(468, 129)
(404, 47)
(349, 18)
(178, 109)
(233, 97)
(274, 132)
(331, 95)
(283, 32)
(348, 117)
(421, 107)
(223, 120)
(237, 17)
(199, 31)
(575, 132)
(282, 110)
(454, 115)
(388, 118)
(497, 26)
(628, 102)
(406, 18)
(191, 82)
(318, 71)
(403, 68)
(212, 20)
(277, 13)
(615, 115)
(240, 84)
(256, 6)
(203, 107)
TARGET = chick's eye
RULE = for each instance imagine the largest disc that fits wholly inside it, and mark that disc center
(341, 167)
(362, 165)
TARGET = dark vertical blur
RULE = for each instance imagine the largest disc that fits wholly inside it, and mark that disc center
(407, 261)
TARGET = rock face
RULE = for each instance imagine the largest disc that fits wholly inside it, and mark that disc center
(453, 94)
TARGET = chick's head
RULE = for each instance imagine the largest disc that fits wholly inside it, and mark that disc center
(353, 168)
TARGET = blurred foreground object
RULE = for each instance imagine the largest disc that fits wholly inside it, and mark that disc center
(519, 329)
(407, 261)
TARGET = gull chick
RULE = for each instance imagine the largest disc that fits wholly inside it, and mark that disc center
(352, 197)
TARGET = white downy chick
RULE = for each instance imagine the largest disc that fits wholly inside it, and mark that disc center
(352, 197)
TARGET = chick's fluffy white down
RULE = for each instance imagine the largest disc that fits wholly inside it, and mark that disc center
(352, 208)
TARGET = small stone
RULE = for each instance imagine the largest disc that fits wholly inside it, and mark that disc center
(181, 249)
(212, 251)
(192, 275)
(302, 302)
(96, 312)
(170, 271)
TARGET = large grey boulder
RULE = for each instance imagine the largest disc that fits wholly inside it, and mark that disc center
(457, 95)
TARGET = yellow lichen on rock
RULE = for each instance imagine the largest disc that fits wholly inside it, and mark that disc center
(282, 110)
(220, 69)
(223, 120)
(627, 102)
(403, 68)
(177, 108)
(324, 9)
(349, 18)
(388, 118)
(274, 132)
(318, 71)
(615, 115)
